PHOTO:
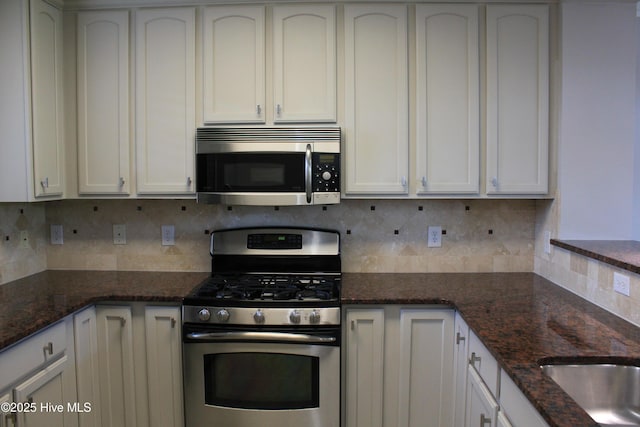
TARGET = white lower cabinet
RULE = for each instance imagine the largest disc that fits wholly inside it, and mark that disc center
(139, 365)
(399, 366)
(485, 396)
(482, 408)
(115, 366)
(515, 409)
(164, 365)
(38, 374)
(87, 371)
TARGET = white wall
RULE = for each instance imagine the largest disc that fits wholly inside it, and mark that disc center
(597, 121)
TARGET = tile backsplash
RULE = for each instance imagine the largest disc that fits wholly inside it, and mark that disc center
(23, 246)
(377, 235)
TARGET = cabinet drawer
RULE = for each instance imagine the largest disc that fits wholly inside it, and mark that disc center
(32, 352)
(484, 363)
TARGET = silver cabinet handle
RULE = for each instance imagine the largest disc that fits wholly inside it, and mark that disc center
(258, 110)
(121, 182)
(173, 322)
(403, 181)
(494, 182)
(484, 420)
(423, 181)
(459, 338)
(474, 359)
(278, 110)
(189, 181)
(48, 349)
(45, 183)
(123, 322)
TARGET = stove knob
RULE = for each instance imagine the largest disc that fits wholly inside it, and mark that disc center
(326, 175)
(314, 317)
(204, 315)
(222, 315)
(294, 316)
(258, 316)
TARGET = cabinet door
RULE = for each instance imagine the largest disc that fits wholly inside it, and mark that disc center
(164, 366)
(46, 386)
(234, 64)
(447, 99)
(517, 99)
(461, 361)
(482, 408)
(103, 102)
(6, 418)
(87, 365)
(376, 99)
(364, 366)
(304, 63)
(426, 368)
(47, 99)
(115, 356)
(165, 100)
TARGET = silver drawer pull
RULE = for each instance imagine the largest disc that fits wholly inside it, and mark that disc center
(474, 359)
(459, 338)
(48, 349)
(484, 420)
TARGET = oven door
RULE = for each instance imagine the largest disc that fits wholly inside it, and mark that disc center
(250, 378)
(254, 173)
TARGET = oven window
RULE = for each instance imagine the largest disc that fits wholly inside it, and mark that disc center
(261, 380)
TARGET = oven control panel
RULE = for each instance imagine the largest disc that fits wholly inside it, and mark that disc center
(274, 241)
(261, 316)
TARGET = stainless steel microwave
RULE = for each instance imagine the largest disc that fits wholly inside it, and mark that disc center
(273, 166)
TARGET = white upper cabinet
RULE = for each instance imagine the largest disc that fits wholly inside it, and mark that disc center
(103, 102)
(376, 127)
(165, 100)
(517, 99)
(234, 64)
(47, 99)
(304, 63)
(302, 50)
(447, 99)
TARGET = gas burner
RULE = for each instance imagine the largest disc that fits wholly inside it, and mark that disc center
(251, 287)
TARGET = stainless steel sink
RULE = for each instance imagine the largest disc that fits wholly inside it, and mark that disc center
(610, 393)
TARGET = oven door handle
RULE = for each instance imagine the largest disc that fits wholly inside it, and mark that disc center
(261, 336)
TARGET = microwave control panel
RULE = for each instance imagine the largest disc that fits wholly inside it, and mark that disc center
(326, 172)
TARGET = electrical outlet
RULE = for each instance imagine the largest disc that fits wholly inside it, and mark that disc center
(434, 239)
(57, 237)
(621, 283)
(119, 234)
(168, 235)
(24, 239)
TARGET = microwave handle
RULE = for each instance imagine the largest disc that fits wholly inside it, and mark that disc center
(308, 172)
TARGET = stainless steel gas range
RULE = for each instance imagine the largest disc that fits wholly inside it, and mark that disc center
(261, 336)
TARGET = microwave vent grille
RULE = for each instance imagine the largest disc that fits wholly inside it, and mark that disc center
(268, 134)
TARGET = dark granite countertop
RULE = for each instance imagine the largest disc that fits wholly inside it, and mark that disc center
(522, 318)
(624, 254)
(36, 301)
